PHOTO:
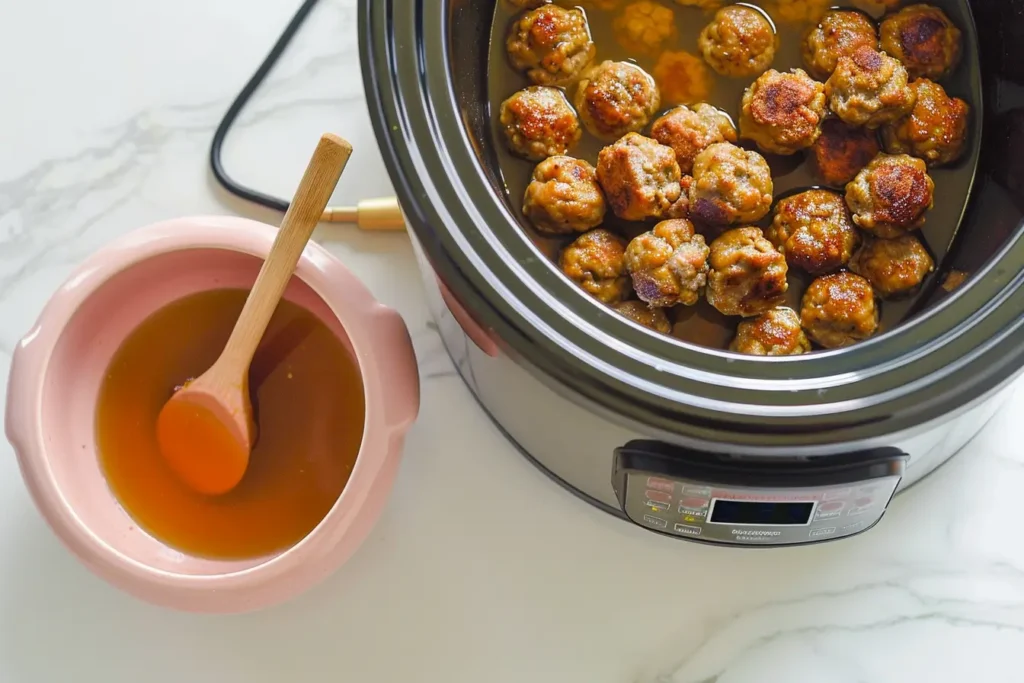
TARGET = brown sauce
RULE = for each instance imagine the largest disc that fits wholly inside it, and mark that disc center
(702, 324)
(308, 397)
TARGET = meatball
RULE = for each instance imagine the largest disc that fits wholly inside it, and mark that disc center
(682, 78)
(924, 39)
(669, 264)
(842, 151)
(869, 88)
(641, 179)
(893, 267)
(539, 123)
(644, 26)
(813, 229)
(690, 130)
(838, 34)
(642, 314)
(774, 333)
(730, 185)
(935, 130)
(595, 261)
(839, 310)
(748, 275)
(564, 196)
(782, 112)
(740, 41)
(891, 195)
(615, 98)
(551, 44)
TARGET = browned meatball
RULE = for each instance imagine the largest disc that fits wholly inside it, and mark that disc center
(564, 196)
(739, 41)
(869, 88)
(641, 179)
(891, 195)
(813, 229)
(924, 39)
(782, 112)
(842, 151)
(642, 314)
(615, 98)
(838, 34)
(690, 130)
(893, 267)
(730, 185)
(935, 130)
(669, 264)
(595, 261)
(839, 310)
(748, 275)
(539, 123)
(551, 44)
(644, 26)
(682, 78)
(774, 333)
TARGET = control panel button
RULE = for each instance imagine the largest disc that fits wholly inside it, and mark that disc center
(687, 530)
(850, 528)
(693, 503)
(826, 531)
(657, 505)
(656, 522)
(695, 514)
(829, 509)
(660, 484)
(693, 519)
(660, 496)
(836, 493)
(697, 491)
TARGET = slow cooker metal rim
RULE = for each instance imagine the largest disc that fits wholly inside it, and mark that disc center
(469, 261)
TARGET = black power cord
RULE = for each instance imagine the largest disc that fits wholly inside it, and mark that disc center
(216, 163)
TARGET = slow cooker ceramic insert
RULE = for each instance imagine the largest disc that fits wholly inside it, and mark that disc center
(688, 441)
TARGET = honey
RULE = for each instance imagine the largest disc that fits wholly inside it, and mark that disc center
(308, 403)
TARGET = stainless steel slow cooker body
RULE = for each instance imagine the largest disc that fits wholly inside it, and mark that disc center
(570, 383)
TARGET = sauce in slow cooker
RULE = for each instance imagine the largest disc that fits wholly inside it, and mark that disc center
(703, 324)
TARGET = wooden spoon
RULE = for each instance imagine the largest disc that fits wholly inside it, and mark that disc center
(206, 430)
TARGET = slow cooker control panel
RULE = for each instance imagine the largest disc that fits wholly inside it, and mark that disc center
(790, 503)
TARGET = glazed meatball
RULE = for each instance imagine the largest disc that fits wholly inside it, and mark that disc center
(774, 333)
(730, 185)
(935, 130)
(564, 196)
(539, 123)
(642, 314)
(869, 88)
(615, 98)
(924, 39)
(740, 41)
(682, 78)
(669, 264)
(813, 229)
(891, 195)
(690, 130)
(838, 34)
(641, 179)
(838, 310)
(595, 261)
(893, 267)
(782, 112)
(748, 275)
(644, 26)
(842, 151)
(551, 44)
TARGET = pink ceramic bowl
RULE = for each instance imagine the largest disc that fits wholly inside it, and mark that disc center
(56, 374)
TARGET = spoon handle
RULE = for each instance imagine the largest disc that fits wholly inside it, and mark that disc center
(311, 197)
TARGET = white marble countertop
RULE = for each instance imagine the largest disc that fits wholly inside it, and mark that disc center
(480, 569)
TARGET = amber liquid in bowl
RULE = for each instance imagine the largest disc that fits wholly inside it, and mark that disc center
(308, 398)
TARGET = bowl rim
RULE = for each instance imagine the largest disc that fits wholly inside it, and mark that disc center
(387, 419)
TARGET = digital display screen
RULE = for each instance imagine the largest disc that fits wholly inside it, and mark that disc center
(744, 512)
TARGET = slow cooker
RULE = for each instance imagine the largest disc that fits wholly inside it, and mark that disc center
(692, 442)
